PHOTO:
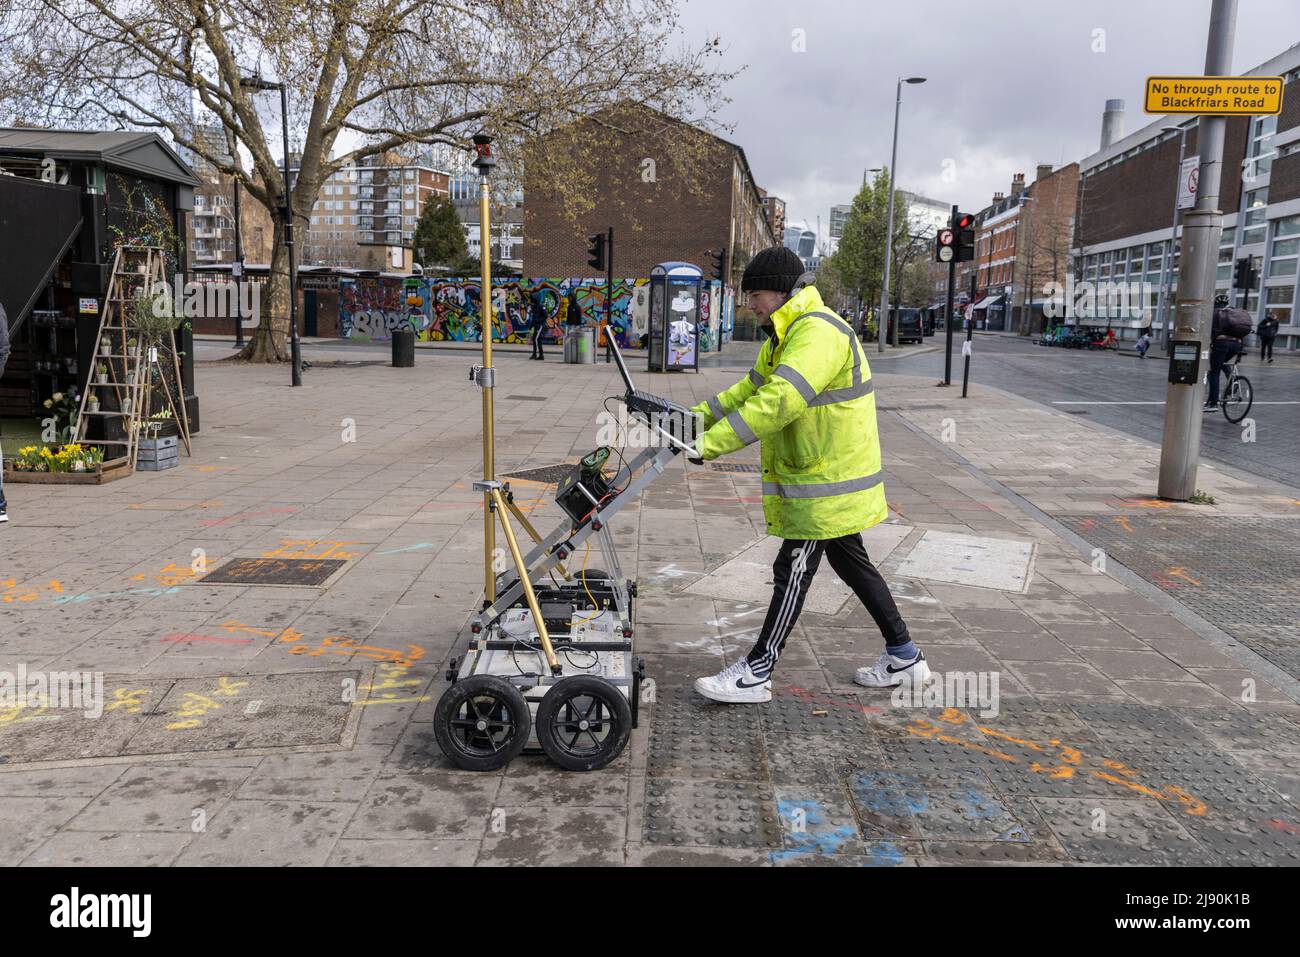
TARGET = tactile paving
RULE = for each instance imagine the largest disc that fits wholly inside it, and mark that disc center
(1199, 560)
(1244, 730)
(1120, 832)
(693, 738)
(890, 803)
(710, 813)
(817, 759)
(1116, 722)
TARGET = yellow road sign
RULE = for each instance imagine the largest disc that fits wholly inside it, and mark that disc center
(1214, 95)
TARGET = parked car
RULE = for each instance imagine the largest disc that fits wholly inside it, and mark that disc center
(911, 327)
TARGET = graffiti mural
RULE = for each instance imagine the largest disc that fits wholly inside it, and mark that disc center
(449, 309)
(372, 308)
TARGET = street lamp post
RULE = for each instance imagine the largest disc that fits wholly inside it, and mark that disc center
(295, 347)
(883, 322)
(1167, 271)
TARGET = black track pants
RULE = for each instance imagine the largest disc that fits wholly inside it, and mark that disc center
(793, 572)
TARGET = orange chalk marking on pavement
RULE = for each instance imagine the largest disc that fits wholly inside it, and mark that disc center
(1181, 572)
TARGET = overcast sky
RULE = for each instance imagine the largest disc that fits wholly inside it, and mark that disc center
(1011, 84)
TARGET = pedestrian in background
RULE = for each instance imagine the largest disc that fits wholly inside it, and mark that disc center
(537, 320)
(573, 312)
(1144, 343)
(1267, 332)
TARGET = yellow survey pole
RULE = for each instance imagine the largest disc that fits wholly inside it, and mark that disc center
(484, 163)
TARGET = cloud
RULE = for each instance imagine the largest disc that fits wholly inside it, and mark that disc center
(1010, 84)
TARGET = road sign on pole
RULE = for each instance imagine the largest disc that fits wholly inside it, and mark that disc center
(1214, 95)
(1188, 176)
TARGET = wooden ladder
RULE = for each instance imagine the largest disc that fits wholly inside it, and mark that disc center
(136, 269)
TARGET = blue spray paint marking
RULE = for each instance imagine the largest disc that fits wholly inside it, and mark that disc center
(64, 599)
(974, 803)
(891, 793)
(408, 548)
(816, 836)
(883, 854)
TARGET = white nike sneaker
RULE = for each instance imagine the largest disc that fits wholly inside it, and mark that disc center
(889, 672)
(736, 684)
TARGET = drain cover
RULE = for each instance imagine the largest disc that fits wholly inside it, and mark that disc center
(274, 571)
(546, 474)
(733, 467)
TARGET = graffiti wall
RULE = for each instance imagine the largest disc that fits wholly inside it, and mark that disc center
(449, 309)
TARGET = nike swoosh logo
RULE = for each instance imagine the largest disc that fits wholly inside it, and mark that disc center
(741, 684)
(893, 671)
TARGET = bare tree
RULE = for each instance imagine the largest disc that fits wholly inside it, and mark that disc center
(363, 77)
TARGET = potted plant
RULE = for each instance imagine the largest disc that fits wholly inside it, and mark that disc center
(92, 403)
(101, 373)
(105, 346)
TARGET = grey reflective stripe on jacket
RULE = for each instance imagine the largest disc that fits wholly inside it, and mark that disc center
(715, 407)
(741, 428)
(823, 489)
(829, 396)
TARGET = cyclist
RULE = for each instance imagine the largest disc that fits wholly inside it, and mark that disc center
(1225, 342)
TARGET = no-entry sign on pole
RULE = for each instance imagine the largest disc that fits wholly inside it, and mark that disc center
(1188, 176)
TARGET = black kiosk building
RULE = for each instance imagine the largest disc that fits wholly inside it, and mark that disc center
(68, 199)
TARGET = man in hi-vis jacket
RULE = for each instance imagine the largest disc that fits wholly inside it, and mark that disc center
(809, 402)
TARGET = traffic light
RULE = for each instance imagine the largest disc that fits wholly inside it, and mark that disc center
(945, 245)
(596, 252)
(1244, 274)
(964, 226)
(719, 263)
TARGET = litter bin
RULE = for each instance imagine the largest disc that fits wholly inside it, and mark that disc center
(403, 348)
(587, 345)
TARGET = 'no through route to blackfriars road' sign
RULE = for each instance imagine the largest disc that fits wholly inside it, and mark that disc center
(1214, 95)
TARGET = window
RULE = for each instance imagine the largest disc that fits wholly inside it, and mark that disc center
(1261, 148)
(1283, 255)
(1253, 222)
(1280, 301)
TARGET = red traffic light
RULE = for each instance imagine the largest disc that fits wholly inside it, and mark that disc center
(965, 220)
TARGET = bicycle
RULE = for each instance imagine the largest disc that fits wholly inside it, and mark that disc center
(1238, 394)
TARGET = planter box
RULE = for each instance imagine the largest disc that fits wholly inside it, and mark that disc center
(155, 455)
(109, 471)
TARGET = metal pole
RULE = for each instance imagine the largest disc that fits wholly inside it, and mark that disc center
(1202, 227)
(883, 323)
(947, 313)
(489, 433)
(609, 291)
(295, 347)
(239, 258)
(966, 350)
(1167, 270)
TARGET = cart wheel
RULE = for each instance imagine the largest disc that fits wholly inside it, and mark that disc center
(481, 722)
(591, 575)
(583, 723)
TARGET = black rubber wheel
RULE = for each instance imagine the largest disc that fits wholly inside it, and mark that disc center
(591, 575)
(1236, 404)
(583, 723)
(482, 722)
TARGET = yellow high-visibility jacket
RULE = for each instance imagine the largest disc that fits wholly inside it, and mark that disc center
(809, 401)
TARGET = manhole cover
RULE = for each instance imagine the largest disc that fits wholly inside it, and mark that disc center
(139, 719)
(527, 398)
(274, 571)
(733, 467)
(546, 474)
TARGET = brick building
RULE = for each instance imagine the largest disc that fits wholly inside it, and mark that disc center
(1042, 251)
(671, 191)
(1126, 201)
